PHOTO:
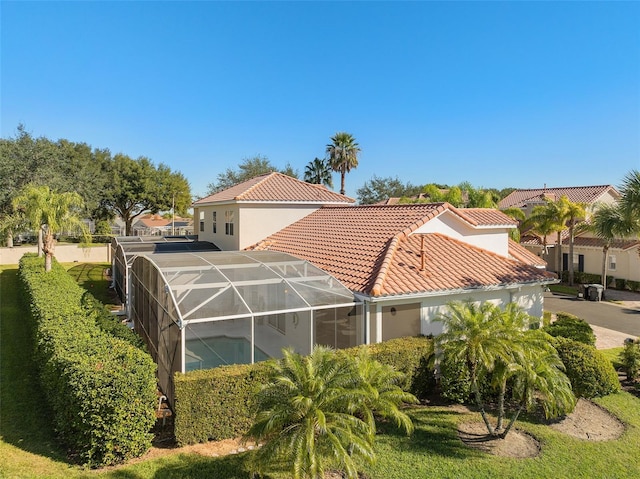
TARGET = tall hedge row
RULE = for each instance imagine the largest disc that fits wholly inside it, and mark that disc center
(214, 404)
(101, 389)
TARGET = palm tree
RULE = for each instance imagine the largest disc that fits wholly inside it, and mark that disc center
(575, 213)
(630, 199)
(539, 378)
(608, 223)
(542, 224)
(305, 417)
(497, 346)
(473, 334)
(51, 213)
(319, 411)
(342, 154)
(318, 172)
(518, 215)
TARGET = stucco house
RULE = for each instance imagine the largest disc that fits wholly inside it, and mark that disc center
(624, 254)
(250, 211)
(406, 262)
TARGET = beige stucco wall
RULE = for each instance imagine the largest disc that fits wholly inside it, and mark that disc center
(449, 224)
(424, 311)
(252, 222)
(67, 253)
(627, 261)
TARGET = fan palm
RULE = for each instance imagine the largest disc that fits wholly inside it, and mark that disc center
(342, 154)
(51, 213)
(630, 199)
(318, 172)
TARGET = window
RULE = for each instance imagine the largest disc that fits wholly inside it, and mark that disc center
(612, 262)
(202, 221)
(278, 322)
(215, 223)
(228, 222)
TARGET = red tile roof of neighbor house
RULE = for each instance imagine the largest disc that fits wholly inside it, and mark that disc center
(522, 254)
(576, 194)
(584, 241)
(276, 187)
(371, 250)
(151, 221)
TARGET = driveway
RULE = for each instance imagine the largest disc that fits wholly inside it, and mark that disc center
(623, 317)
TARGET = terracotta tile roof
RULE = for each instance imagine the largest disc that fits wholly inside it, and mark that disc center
(577, 194)
(276, 187)
(487, 217)
(371, 250)
(451, 265)
(522, 254)
(152, 221)
(622, 244)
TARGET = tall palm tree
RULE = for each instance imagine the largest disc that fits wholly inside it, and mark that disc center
(542, 224)
(318, 172)
(630, 199)
(342, 154)
(608, 223)
(518, 215)
(575, 214)
(51, 213)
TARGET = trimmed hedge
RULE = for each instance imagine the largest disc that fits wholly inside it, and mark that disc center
(590, 372)
(215, 404)
(571, 327)
(101, 389)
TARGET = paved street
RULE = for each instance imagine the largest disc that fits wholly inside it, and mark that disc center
(625, 319)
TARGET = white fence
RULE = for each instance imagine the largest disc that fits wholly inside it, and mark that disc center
(64, 253)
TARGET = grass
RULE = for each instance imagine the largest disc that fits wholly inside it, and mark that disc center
(563, 289)
(28, 446)
(91, 277)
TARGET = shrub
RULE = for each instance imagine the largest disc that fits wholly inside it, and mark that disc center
(219, 403)
(630, 358)
(102, 390)
(546, 319)
(455, 381)
(571, 327)
(621, 283)
(634, 285)
(590, 372)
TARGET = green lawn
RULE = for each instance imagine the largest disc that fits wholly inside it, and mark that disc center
(91, 277)
(28, 447)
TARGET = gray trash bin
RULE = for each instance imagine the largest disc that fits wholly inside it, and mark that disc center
(595, 292)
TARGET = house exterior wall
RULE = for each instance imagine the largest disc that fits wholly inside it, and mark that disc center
(418, 315)
(224, 241)
(491, 239)
(252, 222)
(627, 261)
(260, 221)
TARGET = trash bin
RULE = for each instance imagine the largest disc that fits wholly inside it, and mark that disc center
(595, 292)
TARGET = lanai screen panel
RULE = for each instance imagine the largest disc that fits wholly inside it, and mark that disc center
(126, 248)
(202, 310)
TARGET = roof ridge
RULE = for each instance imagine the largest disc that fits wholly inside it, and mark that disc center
(442, 207)
(381, 277)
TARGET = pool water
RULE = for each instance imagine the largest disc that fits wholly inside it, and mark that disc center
(209, 353)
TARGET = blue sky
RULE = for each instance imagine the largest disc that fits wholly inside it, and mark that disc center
(495, 93)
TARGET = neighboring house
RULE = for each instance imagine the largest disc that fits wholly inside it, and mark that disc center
(406, 262)
(624, 254)
(250, 211)
(156, 225)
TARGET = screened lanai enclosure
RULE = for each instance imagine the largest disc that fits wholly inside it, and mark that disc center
(203, 310)
(124, 249)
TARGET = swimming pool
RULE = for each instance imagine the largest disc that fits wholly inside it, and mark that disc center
(205, 353)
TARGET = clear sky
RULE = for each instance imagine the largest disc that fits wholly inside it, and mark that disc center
(495, 93)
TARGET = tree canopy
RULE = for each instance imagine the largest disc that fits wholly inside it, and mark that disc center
(247, 169)
(318, 172)
(342, 154)
(379, 189)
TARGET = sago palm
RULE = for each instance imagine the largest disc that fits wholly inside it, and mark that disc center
(342, 154)
(306, 418)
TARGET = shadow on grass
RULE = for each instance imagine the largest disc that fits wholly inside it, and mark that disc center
(190, 466)
(436, 432)
(91, 277)
(25, 419)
